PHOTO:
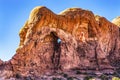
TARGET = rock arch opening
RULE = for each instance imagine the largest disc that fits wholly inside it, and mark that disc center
(58, 40)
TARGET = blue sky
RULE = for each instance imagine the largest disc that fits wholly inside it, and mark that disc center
(14, 13)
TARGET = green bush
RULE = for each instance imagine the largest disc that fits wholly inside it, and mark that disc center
(65, 75)
(104, 77)
(88, 78)
(78, 72)
(116, 74)
(115, 78)
(18, 76)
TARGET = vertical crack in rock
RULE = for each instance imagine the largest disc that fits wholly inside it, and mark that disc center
(114, 61)
(91, 33)
(57, 51)
(96, 56)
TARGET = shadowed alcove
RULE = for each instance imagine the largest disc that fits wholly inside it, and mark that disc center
(57, 50)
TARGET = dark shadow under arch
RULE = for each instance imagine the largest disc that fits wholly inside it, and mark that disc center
(57, 50)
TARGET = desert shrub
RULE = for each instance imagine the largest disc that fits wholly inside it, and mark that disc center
(88, 78)
(54, 78)
(65, 75)
(115, 78)
(78, 72)
(116, 74)
(104, 77)
(18, 75)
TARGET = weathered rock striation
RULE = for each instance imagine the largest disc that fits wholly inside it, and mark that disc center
(73, 39)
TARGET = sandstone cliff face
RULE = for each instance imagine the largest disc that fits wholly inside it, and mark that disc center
(116, 21)
(73, 39)
(1, 61)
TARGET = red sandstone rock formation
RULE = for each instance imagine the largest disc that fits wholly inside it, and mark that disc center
(116, 21)
(1, 62)
(73, 39)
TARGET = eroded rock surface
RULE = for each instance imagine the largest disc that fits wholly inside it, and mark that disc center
(73, 39)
